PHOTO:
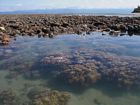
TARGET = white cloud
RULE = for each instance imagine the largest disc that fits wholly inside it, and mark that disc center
(93, 3)
(42, 4)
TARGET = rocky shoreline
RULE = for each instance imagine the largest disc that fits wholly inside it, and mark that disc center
(136, 10)
(51, 25)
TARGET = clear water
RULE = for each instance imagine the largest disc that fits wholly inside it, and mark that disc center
(24, 55)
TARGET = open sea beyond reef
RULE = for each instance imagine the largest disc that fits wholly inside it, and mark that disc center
(72, 11)
(37, 62)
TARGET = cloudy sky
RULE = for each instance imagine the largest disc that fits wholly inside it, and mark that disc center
(10, 5)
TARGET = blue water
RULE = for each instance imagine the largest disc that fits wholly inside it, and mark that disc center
(93, 11)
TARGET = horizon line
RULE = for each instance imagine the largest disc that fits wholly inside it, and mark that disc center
(66, 8)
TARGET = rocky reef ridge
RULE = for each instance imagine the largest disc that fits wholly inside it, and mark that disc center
(51, 25)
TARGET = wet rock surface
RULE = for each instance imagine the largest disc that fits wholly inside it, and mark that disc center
(51, 25)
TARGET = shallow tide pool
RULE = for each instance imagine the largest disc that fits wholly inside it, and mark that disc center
(32, 62)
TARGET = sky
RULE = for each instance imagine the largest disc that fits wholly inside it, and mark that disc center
(12, 5)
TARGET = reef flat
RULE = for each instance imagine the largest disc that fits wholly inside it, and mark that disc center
(51, 25)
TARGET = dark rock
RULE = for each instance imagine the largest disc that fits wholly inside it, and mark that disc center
(52, 24)
(38, 31)
(98, 24)
(45, 30)
(14, 26)
(136, 10)
(65, 24)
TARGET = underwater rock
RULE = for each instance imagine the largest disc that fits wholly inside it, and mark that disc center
(5, 39)
(55, 59)
(82, 66)
(8, 97)
(86, 67)
(84, 74)
(111, 48)
(48, 97)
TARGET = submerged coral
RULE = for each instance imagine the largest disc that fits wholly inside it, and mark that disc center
(36, 96)
(83, 74)
(55, 59)
(4, 39)
(83, 66)
(48, 97)
(8, 97)
(87, 66)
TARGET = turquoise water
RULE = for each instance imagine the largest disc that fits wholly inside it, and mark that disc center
(29, 62)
